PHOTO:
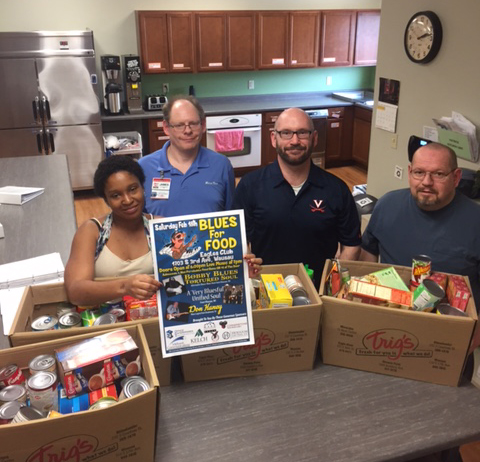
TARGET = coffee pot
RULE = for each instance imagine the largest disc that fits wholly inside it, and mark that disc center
(113, 92)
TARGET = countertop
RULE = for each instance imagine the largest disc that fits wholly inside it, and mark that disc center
(252, 104)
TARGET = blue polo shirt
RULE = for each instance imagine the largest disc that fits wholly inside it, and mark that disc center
(207, 186)
(286, 228)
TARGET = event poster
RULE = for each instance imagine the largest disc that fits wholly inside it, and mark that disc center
(204, 303)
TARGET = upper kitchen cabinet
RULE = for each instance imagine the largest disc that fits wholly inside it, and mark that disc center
(166, 41)
(152, 41)
(304, 38)
(272, 40)
(337, 38)
(241, 33)
(366, 40)
(211, 41)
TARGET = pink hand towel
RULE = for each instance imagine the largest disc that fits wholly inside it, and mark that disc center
(229, 140)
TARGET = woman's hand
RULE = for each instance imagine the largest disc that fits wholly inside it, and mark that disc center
(254, 264)
(141, 286)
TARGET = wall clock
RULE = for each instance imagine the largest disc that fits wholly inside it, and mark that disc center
(423, 37)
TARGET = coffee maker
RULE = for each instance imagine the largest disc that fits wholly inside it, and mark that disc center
(112, 84)
(133, 84)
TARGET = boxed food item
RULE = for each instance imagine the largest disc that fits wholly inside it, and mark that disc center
(94, 363)
(403, 343)
(458, 292)
(125, 431)
(44, 300)
(376, 294)
(140, 309)
(274, 292)
(286, 340)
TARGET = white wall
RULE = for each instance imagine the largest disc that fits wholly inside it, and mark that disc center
(449, 82)
(113, 21)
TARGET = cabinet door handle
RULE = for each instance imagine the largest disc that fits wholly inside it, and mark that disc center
(162, 138)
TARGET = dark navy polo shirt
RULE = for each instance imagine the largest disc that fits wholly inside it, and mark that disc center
(286, 228)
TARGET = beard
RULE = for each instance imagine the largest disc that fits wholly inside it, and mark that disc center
(427, 202)
(295, 159)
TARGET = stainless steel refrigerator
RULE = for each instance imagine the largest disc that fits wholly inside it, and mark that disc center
(48, 100)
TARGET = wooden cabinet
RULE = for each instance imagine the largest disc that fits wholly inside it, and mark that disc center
(304, 35)
(362, 124)
(211, 41)
(241, 35)
(339, 136)
(180, 42)
(272, 47)
(156, 136)
(269, 153)
(338, 35)
(366, 38)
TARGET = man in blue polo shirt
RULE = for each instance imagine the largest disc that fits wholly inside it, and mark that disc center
(294, 210)
(184, 177)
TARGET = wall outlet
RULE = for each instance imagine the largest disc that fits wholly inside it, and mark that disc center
(165, 88)
(393, 141)
(329, 80)
(251, 84)
(398, 172)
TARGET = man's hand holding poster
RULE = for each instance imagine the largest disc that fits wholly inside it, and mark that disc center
(205, 302)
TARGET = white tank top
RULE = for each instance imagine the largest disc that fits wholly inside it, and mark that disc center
(110, 265)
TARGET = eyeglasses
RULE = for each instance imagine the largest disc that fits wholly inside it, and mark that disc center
(435, 176)
(288, 134)
(181, 127)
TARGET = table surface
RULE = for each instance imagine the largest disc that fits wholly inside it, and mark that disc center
(327, 414)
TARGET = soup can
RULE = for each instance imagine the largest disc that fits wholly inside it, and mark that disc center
(295, 286)
(44, 323)
(427, 295)
(132, 386)
(64, 308)
(106, 318)
(68, 320)
(102, 403)
(27, 413)
(421, 268)
(13, 393)
(299, 300)
(11, 375)
(445, 308)
(9, 410)
(42, 391)
(119, 313)
(42, 363)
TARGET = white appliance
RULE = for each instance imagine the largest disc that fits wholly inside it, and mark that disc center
(251, 124)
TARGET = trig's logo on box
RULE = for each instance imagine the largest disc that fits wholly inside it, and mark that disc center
(69, 449)
(392, 343)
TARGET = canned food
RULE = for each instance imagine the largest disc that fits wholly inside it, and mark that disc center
(106, 318)
(53, 415)
(102, 403)
(345, 272)
(132, 386)
(13, 393)
(421, 268)
(42, 391)
(89, 317)
(42, 363)
(9, 410)
(27, 413)
(427, 295)
(44, 323)
(64, 308)
(445, 308)
(295, 286)
(108, 306)
(69, 320)
(11, 375)
(119, 313)
(299, 300)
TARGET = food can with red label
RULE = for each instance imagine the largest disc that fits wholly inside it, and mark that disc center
(9, 410)
(421, 269)
(13, 393)
(44, 323)
(42, 391)
(119, 313)
(11, 375)
(427, 295)
(42, 363)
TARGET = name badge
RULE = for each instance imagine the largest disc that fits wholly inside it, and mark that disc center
(160, 188)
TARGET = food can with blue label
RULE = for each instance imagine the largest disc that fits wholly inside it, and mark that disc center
(44, 323)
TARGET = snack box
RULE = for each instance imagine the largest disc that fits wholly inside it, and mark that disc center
(125, 431)
(274, 292)
(393, 341)
(286, 340)
(43, 299)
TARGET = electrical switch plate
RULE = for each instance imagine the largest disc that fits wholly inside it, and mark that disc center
(398, 172)
(393, 141)
(165, 88)
(251, 84)
(329, 80)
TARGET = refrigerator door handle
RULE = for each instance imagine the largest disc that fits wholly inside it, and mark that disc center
(36, 110)
(40, 142)
(51, 142)
(45, 110)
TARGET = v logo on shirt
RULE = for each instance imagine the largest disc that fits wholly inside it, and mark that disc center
(318, 206)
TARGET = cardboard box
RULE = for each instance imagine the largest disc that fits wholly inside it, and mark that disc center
(123, 431)
(286, 340)
(43, 299)
(403, 343)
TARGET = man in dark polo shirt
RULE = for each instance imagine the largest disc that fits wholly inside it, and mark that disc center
(295, 211)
